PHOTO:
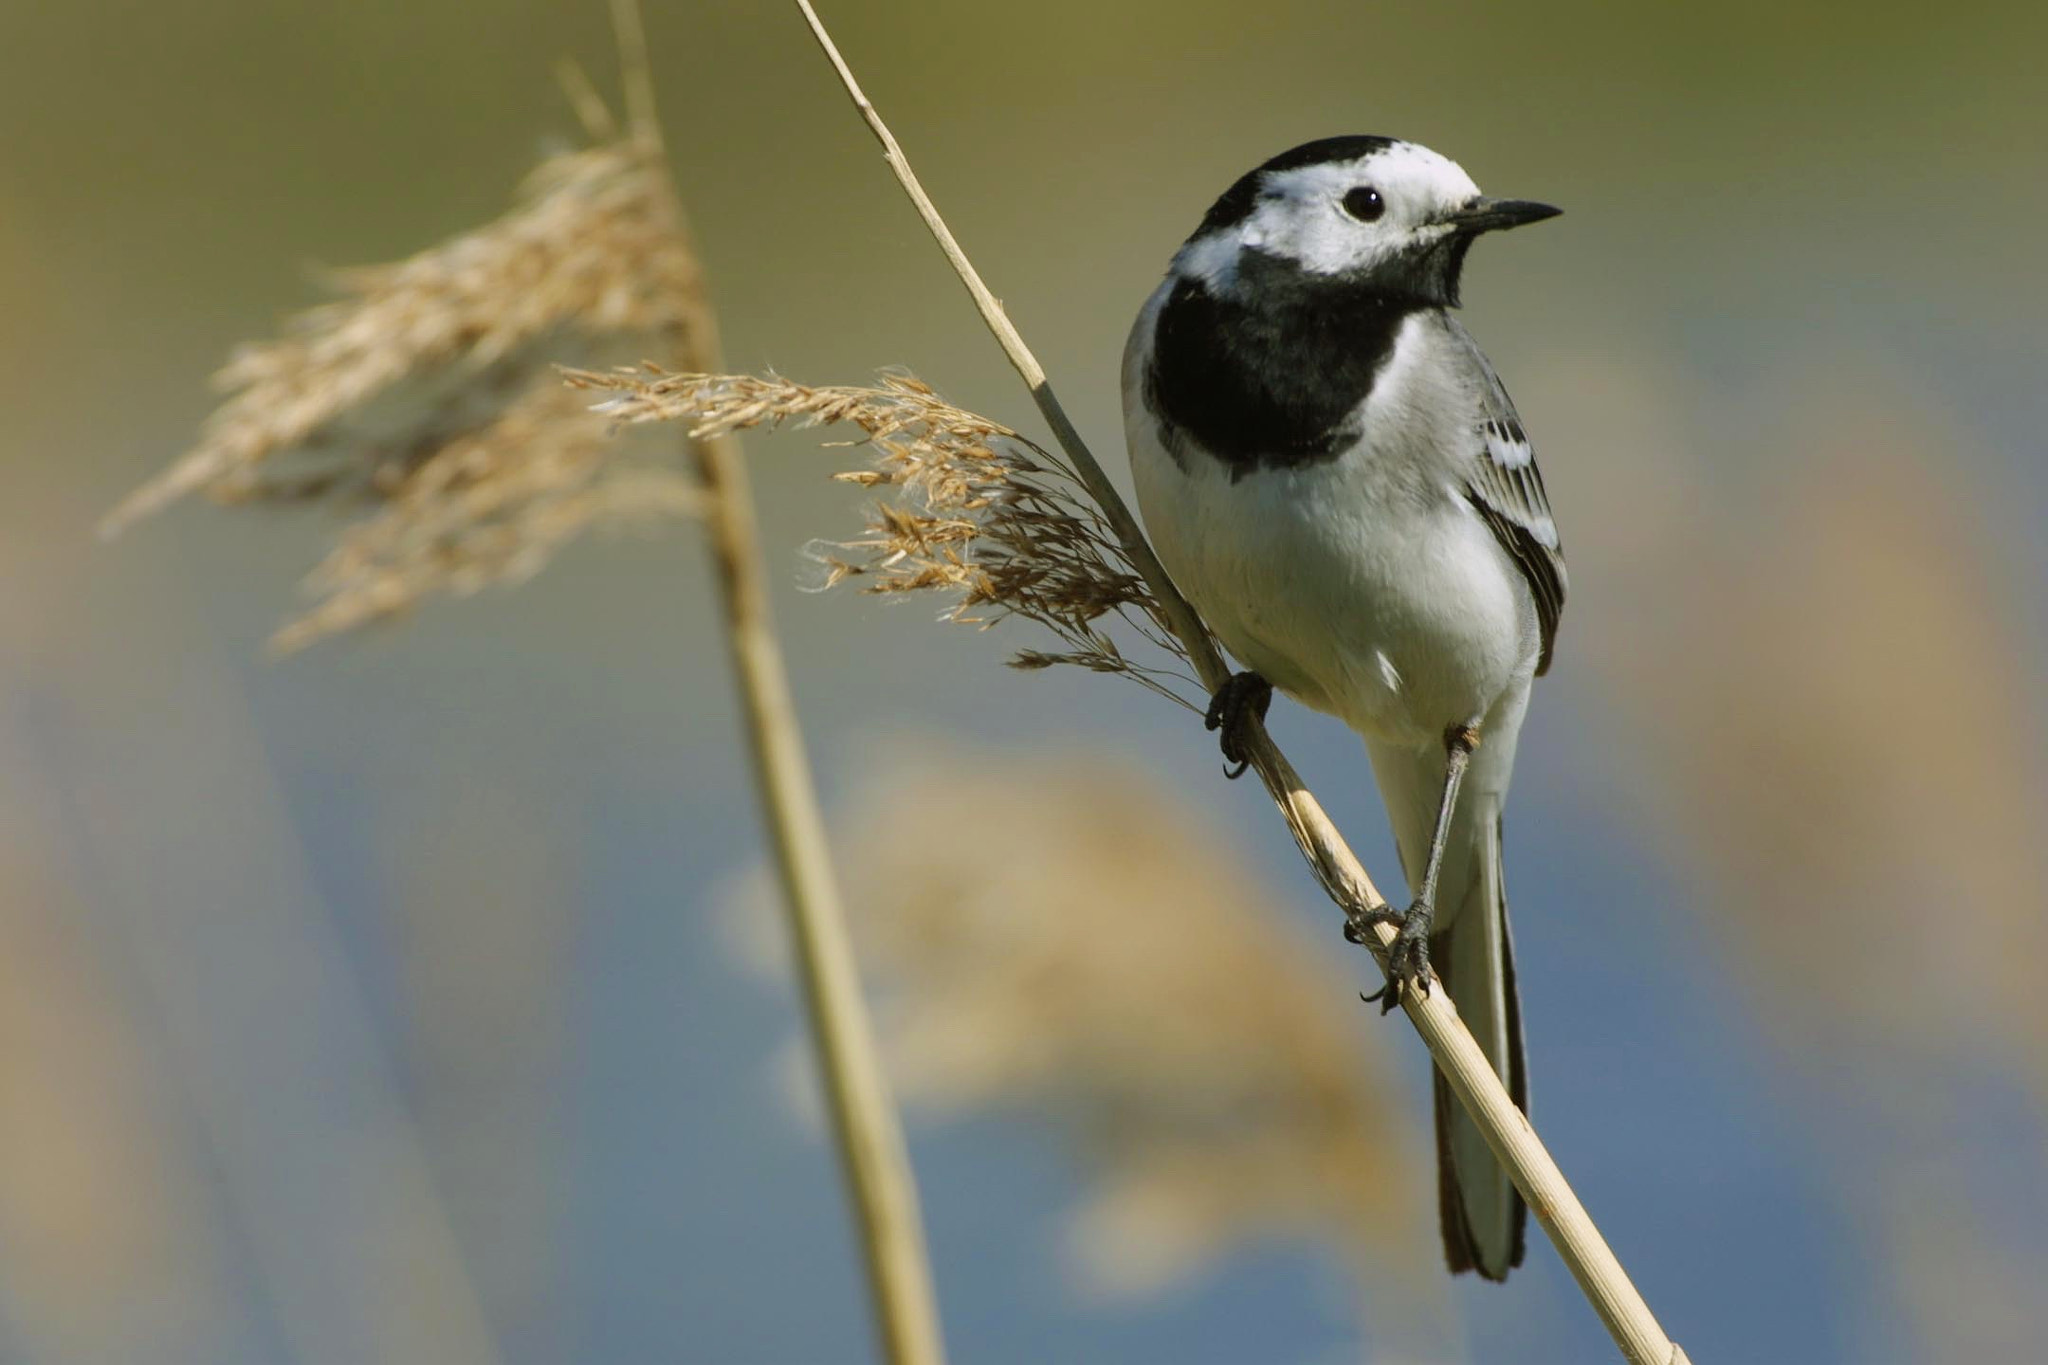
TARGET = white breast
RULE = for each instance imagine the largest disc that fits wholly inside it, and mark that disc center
(1364, 586)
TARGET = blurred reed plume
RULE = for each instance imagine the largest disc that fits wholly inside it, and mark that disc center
(91, 1178)
(1843, 725)
(982, 517)
(423, 398)
(1103, 962)
(1867, 774)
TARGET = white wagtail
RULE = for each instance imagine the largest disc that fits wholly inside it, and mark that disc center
(1334, 475)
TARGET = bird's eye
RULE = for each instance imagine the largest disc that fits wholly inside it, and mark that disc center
(1364, 204)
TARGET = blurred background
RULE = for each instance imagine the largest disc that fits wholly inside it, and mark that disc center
(415, 999)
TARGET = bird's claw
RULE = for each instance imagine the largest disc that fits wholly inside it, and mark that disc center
(1358, 923)
(1237, 704)
(1408, 958)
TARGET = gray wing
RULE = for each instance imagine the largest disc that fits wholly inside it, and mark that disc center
(1506, 488)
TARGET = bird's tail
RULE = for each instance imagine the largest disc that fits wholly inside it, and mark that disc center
(1483, 1217)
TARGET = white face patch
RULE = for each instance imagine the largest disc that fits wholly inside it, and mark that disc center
(1300, 215)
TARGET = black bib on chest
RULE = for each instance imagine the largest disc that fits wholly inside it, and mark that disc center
(1274, 378)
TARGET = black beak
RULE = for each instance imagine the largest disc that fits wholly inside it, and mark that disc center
(1487, 215)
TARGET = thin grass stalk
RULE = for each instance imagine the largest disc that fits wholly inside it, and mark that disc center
(1508, 1132)
(867, 1133)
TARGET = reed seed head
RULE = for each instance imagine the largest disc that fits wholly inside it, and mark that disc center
(977, 514)
(424, 395)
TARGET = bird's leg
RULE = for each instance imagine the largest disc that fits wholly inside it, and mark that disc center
(1238, 704)
(1408, 959)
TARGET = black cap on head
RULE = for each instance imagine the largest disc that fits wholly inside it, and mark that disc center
(1240, 199)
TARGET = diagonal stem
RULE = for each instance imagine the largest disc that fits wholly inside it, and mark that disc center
(1593, 1264)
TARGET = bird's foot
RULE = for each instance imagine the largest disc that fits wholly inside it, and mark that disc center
(1358, 924)
(1236, 706)
(1407, 959)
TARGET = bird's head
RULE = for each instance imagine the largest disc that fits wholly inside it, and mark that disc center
(1389, 216)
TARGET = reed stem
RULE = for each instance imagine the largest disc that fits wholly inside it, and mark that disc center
(866, 1131)
(1508, 1132)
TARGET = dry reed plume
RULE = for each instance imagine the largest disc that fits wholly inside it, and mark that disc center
(429, 395)
(425, 396)
(980, 515)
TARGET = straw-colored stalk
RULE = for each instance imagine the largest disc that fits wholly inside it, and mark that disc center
(1627, 1317)
(424, 394)
(868, 1133)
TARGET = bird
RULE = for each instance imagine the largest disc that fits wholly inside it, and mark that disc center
(1333, 474)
